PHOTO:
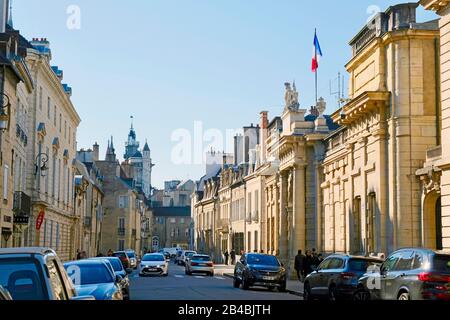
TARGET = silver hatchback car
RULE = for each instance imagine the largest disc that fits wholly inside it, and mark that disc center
(200, 263)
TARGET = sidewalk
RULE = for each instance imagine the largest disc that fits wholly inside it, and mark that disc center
(292, 286)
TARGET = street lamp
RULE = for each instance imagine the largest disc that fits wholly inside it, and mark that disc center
(41, 164)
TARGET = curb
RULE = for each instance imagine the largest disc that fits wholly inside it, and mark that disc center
(229, 275)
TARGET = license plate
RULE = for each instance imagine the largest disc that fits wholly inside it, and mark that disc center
(269, 278)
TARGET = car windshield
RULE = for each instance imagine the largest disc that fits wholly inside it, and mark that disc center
(23, 279)
(131, 254)
(154, 257)
(263, 260)
(116, 264)
(86, 274)
(361, 265)
(442, 263)
(201, 258)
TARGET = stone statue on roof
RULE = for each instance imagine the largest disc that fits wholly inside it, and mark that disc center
(291, 97)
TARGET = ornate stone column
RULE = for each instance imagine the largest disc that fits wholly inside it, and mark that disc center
(298, 217)
(282, 217)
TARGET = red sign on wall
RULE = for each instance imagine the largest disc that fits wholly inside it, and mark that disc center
(40, 219)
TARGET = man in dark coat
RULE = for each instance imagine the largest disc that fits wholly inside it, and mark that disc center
(233, 257)
(298, 265)
(307, 265)
(226, 255)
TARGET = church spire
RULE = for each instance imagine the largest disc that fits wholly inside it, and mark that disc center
(10, 18)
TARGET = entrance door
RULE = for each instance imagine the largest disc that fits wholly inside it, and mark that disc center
(438, 225)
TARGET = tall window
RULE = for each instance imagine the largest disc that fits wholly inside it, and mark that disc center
(51, 234)
(49, 107)
(46, 176)
(5, 181)
(58, 182)
(45, 233)
(40, 98)
(121, 246)
(54, 176)
(249, 241)
(356, 225)
(249, 209)
(123, 202)
(257, 203)
(60, 123)
(57, 236)
(122, 223)
(371, 218)
(256, 241)
(54, 116)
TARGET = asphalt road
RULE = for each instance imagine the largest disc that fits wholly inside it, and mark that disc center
(178, 286)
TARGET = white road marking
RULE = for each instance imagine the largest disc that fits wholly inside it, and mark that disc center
(219, 278)
(178, 276)
(199, 277)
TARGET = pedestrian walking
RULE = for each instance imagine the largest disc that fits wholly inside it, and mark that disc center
(307, 264)
(78, 255)
(233, 257)
(298, 265)
(226, 255)
(110, 253)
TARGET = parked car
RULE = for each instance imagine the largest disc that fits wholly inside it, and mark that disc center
(123, 256)
(120, 271)
(36, 274)
(337, 277)
(133, 259)
(95, 278)
(4, 294)
(184, 255)
(259, 270)
(408, 274)
(154, 264)
(199, 263)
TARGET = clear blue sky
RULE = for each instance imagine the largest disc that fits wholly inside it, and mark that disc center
(172, 62)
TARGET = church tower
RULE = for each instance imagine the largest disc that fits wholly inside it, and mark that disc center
(110, 152)
(131, 146)
(147, 171)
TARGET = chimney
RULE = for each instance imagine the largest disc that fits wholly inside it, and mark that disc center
(96, 152)
(4, 7)
(263, 135)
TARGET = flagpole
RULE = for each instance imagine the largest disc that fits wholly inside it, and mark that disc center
(317, 69)
(316, 85)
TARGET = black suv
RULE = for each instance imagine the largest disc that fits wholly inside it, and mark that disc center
(337, 277)
(409, 274)
(259, 270)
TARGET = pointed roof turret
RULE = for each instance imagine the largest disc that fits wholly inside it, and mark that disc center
(10, 18)
(146, 147)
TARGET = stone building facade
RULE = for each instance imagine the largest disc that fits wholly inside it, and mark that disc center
(124, 212)
(171, 227)
(436, 172)
(53, 125)
(16, 85)
(371, 196)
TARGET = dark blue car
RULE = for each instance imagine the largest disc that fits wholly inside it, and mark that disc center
(94, 278)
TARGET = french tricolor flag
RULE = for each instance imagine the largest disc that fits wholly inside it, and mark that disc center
(317, 53)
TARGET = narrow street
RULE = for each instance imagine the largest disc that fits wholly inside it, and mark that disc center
(178, 286)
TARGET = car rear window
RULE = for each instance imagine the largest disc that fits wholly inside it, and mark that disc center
(22, 279)
(201, 258)
(131, 254)
(361, 265)
(442, 263)
(116, 264)
(86, 274)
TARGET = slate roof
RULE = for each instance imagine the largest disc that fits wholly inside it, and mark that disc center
(172, 211)
(331, 125)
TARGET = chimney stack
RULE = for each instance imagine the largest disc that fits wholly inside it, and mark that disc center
(96, 152)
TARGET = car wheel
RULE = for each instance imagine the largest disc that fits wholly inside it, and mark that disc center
(166, 274)
(271, 288)
(282, 288)
(211, 274)
(236, 283)
(332, 293)
(361, 295)
(245, 285)
(404, 296)
(307, 292)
